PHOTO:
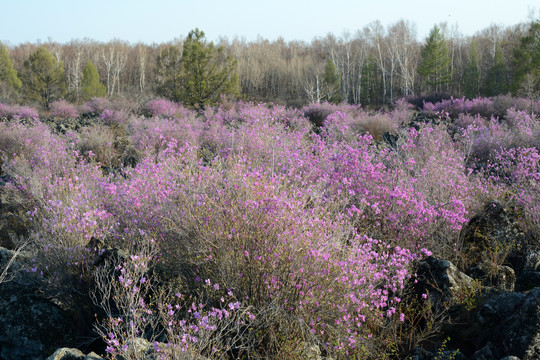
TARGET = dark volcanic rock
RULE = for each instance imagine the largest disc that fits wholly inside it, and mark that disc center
(528, 280)
(521, 330)
(492, 233)
(507, 325)
(32, 324)
(12, 224)
(440, 278)
(500, 277)
(526, 263)
(526, 258)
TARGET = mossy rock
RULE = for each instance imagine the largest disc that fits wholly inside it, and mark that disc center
(12, 225)
(492, 234)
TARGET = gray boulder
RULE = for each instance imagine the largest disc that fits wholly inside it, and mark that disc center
(441, 279)
(67, 354)
(485, 353)
(93, 356)
(492, 234)
(499, 277)
(73, 354)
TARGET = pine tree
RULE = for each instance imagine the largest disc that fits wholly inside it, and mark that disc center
(91, 87)
(43, 77)
(9, 80)
(331, 82)
(169, 73)
(527, 57)
(496, 82)
(471, 83)
(207, 71)
(435, 67)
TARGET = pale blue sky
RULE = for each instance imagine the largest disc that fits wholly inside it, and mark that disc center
(163, 20)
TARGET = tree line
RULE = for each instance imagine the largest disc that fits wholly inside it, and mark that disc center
(373, 66)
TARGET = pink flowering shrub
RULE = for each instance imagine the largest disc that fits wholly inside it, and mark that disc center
(5, 111)
(98, 144)
(97, 105)
(401, 112)
(167, 109)
(401, 196)
(519, 169)
(482, 137)
(111, 113)
(61, 190)
(526, 128)
(150, 136)
(349, 125)
(16, 112)
(28, 141)
(238, 113)
(485, 107)
(114, 117)
(317, 112)
(268, 136)
(191, 323)
(63, 109)
(454, 107)
(291, 273)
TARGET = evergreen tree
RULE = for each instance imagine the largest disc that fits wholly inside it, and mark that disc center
(496, 82)
(527, 57)
(207, 71)
(43, 77)
(91, 87)
(369, 82)
(331, 82)
(8, 76)
(435, 67)
(169, 73)
(471, 75)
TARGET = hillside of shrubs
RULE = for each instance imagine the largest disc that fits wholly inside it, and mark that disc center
(255, 231)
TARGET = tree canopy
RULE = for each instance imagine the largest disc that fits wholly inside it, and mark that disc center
(471, 74)
(169, 73)
(208, 71)
(43, 77)
(496, 82)
(91, 86)
(331, 82)
(8, 76)
(436, 62)
(200, 75)
(527, 57)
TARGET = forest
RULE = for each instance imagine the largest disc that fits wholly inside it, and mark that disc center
(373, 67)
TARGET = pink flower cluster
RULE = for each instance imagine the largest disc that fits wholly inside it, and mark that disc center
(167, 109)
(63, 109)
(16, 112)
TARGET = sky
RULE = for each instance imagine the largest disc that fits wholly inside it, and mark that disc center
(160, 21)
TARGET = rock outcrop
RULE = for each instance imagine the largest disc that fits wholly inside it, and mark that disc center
(73, 354)
(33, 323)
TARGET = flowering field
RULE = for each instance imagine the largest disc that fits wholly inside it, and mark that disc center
(256, 231)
